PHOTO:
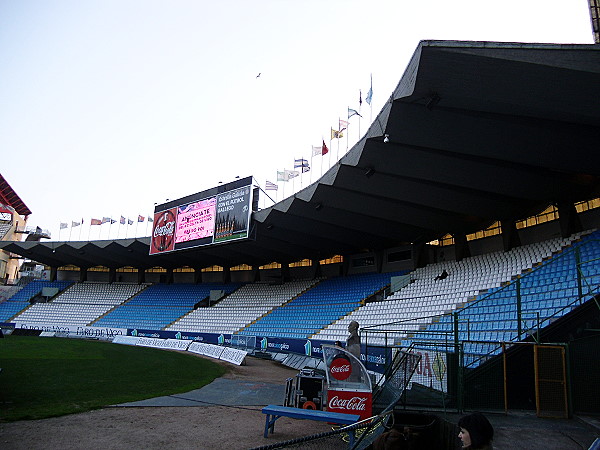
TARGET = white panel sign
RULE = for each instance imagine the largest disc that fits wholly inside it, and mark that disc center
(233, 356)
(126, 340)
(177, 344)
(213, 351)
(72, 330)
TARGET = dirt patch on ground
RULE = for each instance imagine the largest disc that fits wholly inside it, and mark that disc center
(201, 427)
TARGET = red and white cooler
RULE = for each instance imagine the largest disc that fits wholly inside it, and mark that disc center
(349, 387)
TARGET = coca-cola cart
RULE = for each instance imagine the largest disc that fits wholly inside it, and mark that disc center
(348, 387)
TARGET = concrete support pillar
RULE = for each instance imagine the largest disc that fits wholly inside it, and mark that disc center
(568, 219)
(226, 274)
(510, 236)
(379, 261)
(316, 266)
(345, 266)
(420, 256)
(197, 275)
(285, 272)
(169, 276)
(461, 247)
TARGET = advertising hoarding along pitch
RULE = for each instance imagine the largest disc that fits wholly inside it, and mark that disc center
(217, 215)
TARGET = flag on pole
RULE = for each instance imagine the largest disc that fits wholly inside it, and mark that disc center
(96, 222)
(150, 219)
(369, 96)
(141, 218)
(353, 112)
(359, 97)
(106, 219)
(317, 150)
(324, 149)
(75, 224)
(129, 222)
(112, 221)
(300, 163)
(271, 186)
(335, 134)
(64, 225)
(343, 124)
(291, 173)
(303, 163)
(282, 176)
(122, 220)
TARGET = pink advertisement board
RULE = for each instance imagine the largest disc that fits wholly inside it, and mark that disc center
(195, 220)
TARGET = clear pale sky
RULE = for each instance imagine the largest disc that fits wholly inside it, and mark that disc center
(110, 106)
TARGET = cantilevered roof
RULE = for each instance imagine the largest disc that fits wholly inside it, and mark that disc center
(475, 132)
(9, 197)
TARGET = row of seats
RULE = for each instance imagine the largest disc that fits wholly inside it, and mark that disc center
(249, 303)
(326, 302)
(322, 309)
(426, 296)
(20, 300)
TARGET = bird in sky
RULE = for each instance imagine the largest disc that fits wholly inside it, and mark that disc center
(258, 74)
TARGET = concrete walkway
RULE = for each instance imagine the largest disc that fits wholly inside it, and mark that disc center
(515, 431)
(221, 391)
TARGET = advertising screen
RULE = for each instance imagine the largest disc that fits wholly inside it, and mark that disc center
(195, 221)
(217, 215)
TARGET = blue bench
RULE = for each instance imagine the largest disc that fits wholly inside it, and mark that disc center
(274, 412)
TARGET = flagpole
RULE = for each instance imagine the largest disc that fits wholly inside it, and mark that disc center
(337, 155)
(312, 155)
(359, 115)
(265, 192)
(322, 158)
(330, 152)
(371, 100)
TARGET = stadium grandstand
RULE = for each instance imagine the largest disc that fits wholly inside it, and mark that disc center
(462, 226)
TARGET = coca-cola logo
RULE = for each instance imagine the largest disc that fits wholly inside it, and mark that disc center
(164, 230)
(163, 234)
(350, 404)
(340, 368)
